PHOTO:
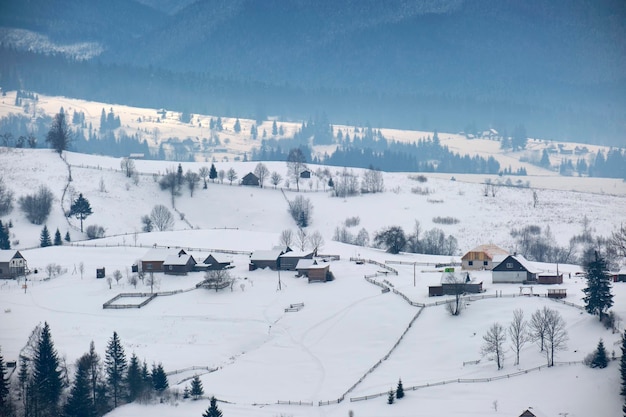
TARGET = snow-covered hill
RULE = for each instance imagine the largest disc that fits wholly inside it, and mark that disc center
(264, 354)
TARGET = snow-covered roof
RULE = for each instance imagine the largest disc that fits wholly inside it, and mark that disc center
(458, 277)
(159, 254)
(265, 255)
(177, 259)
(7, 254)
(305, 263)
(528, 265)
(296, 254)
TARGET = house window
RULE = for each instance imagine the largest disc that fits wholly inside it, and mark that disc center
(171, 267)
(470, 263)
(485, 263)
(509, 265)
(148, 266)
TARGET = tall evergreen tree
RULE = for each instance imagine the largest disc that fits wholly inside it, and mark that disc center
(134, 380)
(213, 173)
(274, 128)
(400, 390)
(159, 378)
(600, 359)
(23, 377)
(81, 209)
(6, 405)
(5, 241)
(598, 298)
(391, 397)
(96, 381)
(67, 236)
(179, 175)
(237, 126)
(79, 403)
(44, 238)
(213, 410)
(57, 238)
(622, 365)
(115, 365)
(196, 387)
(47, 380)
(145, 376)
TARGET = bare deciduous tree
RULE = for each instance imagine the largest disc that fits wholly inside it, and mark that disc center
(220, 175)
(316, 240)
(518, 333)
(301, 210)
(161, 217)
(286, 237)
(555, 334)
(372, 181)
(296, 163)
(261, 172)
(169, 182)
(302, 239)
(128, 167)
(493, 347)
(117, 276)
(537, 327)
(618, 240)
(456, 284)
(231, 175)
(276, 178)
(204, 174)
(192, 180)
(37, 206)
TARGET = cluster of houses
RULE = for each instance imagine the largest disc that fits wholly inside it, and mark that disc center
(179, 262)
(505, 269)
(253, 180)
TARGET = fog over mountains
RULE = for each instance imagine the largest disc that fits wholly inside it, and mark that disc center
(556, 67)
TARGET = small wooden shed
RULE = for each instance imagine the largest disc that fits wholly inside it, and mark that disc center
(179, 264)
(250, 179)
(265, 259)
(289, 260)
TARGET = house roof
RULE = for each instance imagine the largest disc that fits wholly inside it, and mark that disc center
(457, 277)
(160, 254)
(311, 264)
(525, 263)
(211, 259)
(7, 254)
(296, 254)
(490, 250)
(178, 259)
(250, 175)
(265, 255)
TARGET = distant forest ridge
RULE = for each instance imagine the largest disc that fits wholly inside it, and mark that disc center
(206, 94)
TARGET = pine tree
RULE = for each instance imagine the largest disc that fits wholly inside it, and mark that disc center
(67, 236)
(159, 378)
(145, 376)
(57, 238)
(5, 399)
(81, 209)
(622, 365)
(598, 298)
(79, 403)
(186, 393)
(600, 359)
(196, 387)
(96, 385)
(23, 378)
(400, 390)
(5, 241)
(46, 382)
(237, 126)
(212, 411)
(115, 364)
(44, 238)
(133, 379)
(391, 398)
(274, 129)
(213, 173)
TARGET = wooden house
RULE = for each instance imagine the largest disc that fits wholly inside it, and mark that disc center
(305, 174)
(178, 264)
(483, 257)
(265, 259)
(314, 270)
(12, 264)
(453, 283)
(250, 179)
(289, 260)
(210, 263)
(514, 269)
(549, 278)
(153, 260)
(619, 276)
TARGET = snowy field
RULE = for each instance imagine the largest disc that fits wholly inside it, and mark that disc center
(262, 354)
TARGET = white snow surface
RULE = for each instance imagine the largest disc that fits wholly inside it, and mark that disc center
(262, 354)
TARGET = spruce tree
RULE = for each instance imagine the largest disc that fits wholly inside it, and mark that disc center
(212, 411)
(159, 378)
(145, 376)
(67, 236)
(400, 390)
(212, 173)
(57, 238)
(96, 381)
(133, 379)
(79, 403)
(81, 209)
(622, 365)
(46, 382)
(391, 398)
(598, 298)
(196, 387)
(237, 126)
(5, 400)
(44, 238)
(115, 364)
(5, 241)
(600, 359)
(23, 377)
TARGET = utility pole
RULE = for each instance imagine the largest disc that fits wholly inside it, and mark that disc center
(414, 265)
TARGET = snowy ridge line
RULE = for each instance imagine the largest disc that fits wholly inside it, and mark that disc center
(466, 381)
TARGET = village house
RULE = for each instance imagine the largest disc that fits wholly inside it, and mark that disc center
(289, 260)
(455, 282)
(12, 264)
(210, 263)
(265, 259)
(514, 269)
(483, 257)
(178, 264)
(314, 270)
(153, 260)
(305, 174)
(250, 179)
